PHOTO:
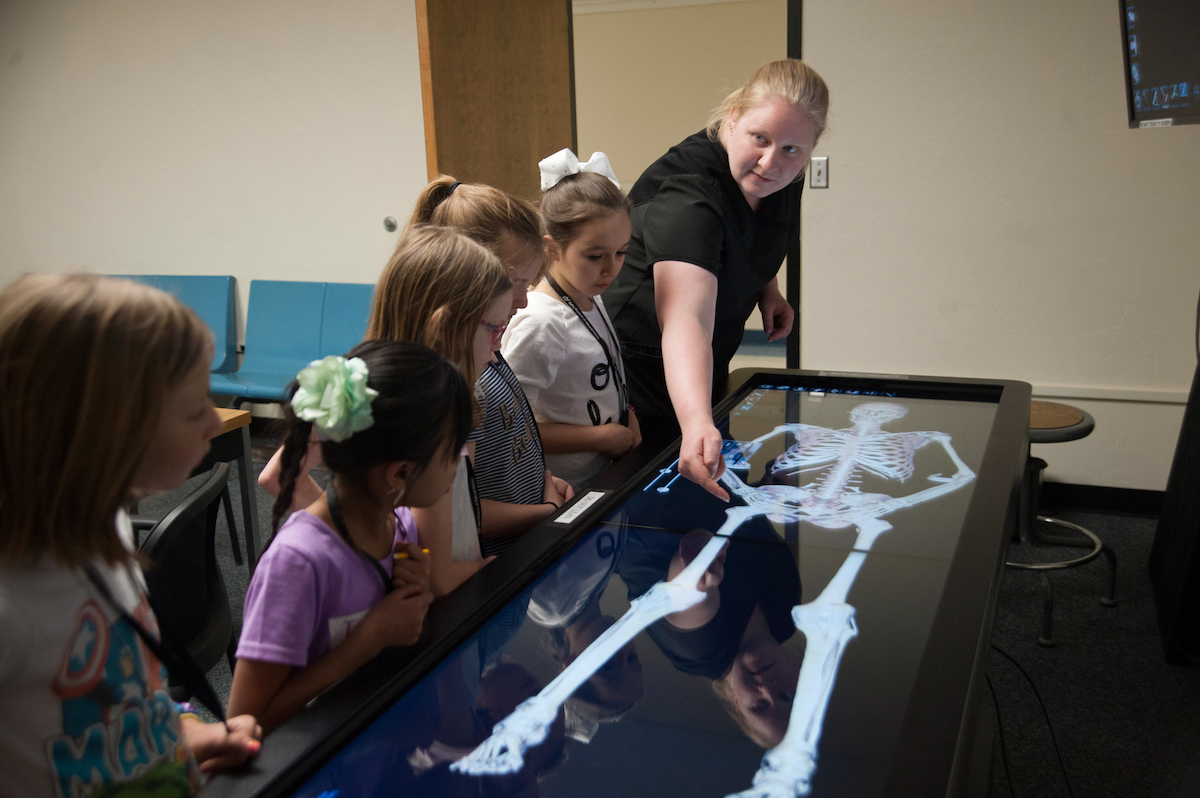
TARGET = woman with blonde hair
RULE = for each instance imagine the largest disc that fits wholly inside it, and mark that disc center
(712, 220)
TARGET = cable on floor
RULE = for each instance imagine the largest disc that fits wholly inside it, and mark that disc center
(1053, 738)
(1000, 726)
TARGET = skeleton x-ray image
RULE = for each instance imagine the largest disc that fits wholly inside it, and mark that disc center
(685, 646)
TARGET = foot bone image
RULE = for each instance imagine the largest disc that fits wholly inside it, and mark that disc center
(830, 501)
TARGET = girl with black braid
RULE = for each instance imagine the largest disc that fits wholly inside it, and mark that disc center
(345, 577)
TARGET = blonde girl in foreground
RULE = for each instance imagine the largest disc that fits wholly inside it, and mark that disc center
(105, 399)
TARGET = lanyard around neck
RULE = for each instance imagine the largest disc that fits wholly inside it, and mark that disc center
(169, 650)
(339, 521)
(613, 362)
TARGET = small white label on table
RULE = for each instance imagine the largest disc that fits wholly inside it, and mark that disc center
(580, 506)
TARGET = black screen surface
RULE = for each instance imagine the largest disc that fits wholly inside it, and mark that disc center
(1162, 61)
(690, 710)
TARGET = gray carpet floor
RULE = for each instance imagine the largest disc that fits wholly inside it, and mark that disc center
(1127, 723)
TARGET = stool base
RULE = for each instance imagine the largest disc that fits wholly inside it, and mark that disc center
(1029, 533)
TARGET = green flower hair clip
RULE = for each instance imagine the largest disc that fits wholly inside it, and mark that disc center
(334, 396)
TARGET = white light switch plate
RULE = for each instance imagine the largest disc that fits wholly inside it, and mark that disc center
(818, 171)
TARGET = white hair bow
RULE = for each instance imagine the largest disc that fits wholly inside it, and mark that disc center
(564, 162)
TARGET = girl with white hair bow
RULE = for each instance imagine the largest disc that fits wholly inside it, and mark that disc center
(562, 347)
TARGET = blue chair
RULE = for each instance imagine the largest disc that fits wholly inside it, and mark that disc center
(344, 321)
(211, 297)
(283, 335)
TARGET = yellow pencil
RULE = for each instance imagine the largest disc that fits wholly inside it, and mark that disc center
(403, 555)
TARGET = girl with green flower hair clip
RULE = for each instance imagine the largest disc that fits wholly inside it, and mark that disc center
(346, 577)
(442, 289)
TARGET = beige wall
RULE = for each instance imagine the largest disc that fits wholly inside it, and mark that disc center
(267, 140)
(645, 79)
(989, 214)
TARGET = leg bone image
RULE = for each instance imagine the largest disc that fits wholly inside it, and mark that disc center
(831, 501)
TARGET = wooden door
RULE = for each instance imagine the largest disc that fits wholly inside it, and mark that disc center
(498, 88)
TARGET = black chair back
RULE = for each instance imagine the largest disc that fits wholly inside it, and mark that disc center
(187, 590)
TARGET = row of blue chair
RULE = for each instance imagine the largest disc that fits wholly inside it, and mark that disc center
(288, 325)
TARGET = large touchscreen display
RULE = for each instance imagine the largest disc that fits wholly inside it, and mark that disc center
(687, 646)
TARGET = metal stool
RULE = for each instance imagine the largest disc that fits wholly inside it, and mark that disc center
(1050, 422)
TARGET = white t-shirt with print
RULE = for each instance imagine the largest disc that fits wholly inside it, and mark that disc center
(565, 374)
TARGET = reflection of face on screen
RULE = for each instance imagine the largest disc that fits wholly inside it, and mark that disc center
(567, 602)
(761, 684)
(501, 689)
(612, 690)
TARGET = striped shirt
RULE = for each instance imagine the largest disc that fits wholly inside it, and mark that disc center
(509, 463)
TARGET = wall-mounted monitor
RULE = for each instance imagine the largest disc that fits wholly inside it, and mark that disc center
(1162, 61)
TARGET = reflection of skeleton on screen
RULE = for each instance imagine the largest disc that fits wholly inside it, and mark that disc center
(832, 501)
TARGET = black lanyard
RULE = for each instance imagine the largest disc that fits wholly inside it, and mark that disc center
(335, 512)
(476, 505)
(613, 364)
(169, 650)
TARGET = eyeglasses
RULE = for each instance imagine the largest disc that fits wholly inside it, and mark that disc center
(497, 330)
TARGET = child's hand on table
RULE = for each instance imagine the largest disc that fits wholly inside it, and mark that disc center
(565, 488)
(557, 491)
(220, 746)
(635, 427)
(617, 439)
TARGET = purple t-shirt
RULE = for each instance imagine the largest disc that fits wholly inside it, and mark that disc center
(309, 590)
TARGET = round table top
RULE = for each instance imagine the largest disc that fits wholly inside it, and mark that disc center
(1051, 415)
(1051, 422)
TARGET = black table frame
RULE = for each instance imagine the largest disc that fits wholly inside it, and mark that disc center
(940, 752)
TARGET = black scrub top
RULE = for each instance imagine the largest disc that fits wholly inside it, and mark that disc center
(756, 574)
(688, 207)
